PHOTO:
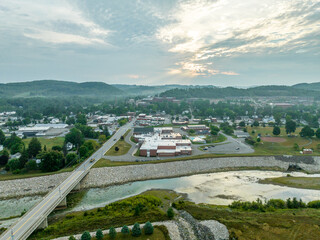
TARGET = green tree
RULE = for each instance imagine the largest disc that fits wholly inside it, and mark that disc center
(51, 161)
(14, 164)
(276, 131)
(4, 157)
(306, 132)
(136, 230)
(112, 233)
(83, 151)
(148, 228)
(102, 138)
(256, 124)
(34, 147)
(106, 131)
(72, 238)
(81, 118)
(99, 234)
(291, 127)
(170, 213)
(23, 158)
(116, 149)
(318, 133)
(71, 157)
(75, 137)
(2, 137)
(86, 236)
(242, 124)
(296, 146)
(31, 165)
(125, 230)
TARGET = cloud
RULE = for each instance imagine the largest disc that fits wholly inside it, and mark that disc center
(57, 22)
(204, 31)
(135, 76)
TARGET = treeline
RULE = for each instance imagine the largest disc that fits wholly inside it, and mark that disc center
(273, 204)
(215, 92)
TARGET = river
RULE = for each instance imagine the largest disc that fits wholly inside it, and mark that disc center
(216, 188)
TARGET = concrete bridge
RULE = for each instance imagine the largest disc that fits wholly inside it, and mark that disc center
(36, 217)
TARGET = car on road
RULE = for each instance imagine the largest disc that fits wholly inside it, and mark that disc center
(92, 160)
(114, 139)
(237, 148)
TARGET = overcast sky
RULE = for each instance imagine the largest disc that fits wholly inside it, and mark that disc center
(221, 42)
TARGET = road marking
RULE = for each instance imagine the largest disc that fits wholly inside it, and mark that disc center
(41, 207)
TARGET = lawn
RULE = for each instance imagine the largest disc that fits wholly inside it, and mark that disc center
(296, 182)
(215, 139)
(123, 146)
(49, 142)
(282, 148)
(280, 224)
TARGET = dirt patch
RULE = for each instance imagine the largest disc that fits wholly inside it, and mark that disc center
(273, 139)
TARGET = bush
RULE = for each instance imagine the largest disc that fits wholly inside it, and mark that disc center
(170, 213)
(116, 149)
(31, 165)
(72, 238)
(136, 230)
(86, 236)
(112, 233)
(99, 235)
(125, 230)
(314, 204)
(148, 228)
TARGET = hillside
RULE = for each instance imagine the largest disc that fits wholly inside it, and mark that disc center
(308, 86)
(148, 90)
(53, 88)
(214, 92)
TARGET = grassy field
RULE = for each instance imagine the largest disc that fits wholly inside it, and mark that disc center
(285, 147)
(296, 182)
(151, 204)
(123, 146)
(49, 142)
(252, 225)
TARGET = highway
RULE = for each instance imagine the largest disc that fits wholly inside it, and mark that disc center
(30, 221)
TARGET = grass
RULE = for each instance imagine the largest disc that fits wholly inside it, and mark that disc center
(123, 146)
(115, 214)
(280, 224)
(295, 182)
(283, 148)
(217, 139)
(49, 142)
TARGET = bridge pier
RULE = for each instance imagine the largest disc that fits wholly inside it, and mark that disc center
(77, 187)
(43, 224)
(62, 204)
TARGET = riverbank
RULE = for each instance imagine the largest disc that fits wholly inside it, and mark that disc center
(295, 182)
(107, 176)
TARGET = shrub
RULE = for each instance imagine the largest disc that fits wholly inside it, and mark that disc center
(116, 149)
(112, 233)
(314, 204)
(86, 236)
(148, 228)
(125, 230)
(99, 235)
(136, 230)
(72, 238)
(170, 213)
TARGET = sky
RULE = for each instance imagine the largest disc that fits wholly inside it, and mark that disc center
(155, 42)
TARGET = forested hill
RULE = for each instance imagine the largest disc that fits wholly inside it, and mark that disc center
(308, 86)
(215, 92)
(53, 88)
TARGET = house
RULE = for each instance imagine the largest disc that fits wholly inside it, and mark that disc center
(142, 130)
(17, 155)
(307, 151)
(241, 134)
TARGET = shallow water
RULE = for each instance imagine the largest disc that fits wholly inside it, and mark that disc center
(215, 188)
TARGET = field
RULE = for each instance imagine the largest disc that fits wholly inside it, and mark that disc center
(283, 144)
(152, 207)
(123, 146)
(252, 225)
(49, 142)
(296, 182)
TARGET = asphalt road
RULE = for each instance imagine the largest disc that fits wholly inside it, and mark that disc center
(33, 218)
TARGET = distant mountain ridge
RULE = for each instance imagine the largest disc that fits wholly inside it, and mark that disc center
(308, 86)
(54, 88)
(210, 92)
